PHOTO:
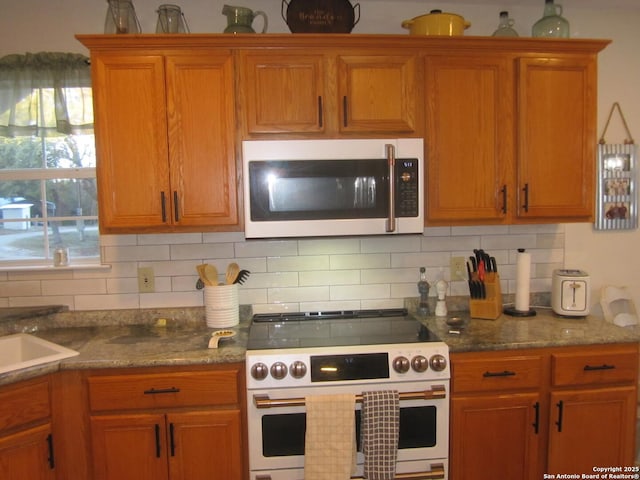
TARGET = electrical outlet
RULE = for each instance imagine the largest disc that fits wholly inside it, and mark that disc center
(458, 268)
(146, 280)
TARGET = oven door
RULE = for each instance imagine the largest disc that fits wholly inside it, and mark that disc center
(277, 422)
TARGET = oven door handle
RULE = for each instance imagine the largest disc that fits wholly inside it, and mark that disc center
(436, 473)
(437, 392)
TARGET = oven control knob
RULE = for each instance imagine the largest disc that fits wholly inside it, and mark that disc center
(438, 362)
(259, 371)
(278, 370)
(419, 363)
(401, 364)
(298, 369)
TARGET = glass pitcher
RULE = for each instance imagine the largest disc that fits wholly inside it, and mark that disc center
(121, 17)
(171, 20)
(240, 19)
(552, 23)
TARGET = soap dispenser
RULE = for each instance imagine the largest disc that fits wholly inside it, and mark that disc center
(423, 289)
(441, 305)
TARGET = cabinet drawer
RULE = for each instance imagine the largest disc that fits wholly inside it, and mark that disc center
(594, 367)
(505, 373)
(163, 390)
(23, 404)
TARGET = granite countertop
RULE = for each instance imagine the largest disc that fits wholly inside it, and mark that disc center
(546, 329)
(136, 338)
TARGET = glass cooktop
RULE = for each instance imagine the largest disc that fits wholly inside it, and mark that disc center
(337, 328)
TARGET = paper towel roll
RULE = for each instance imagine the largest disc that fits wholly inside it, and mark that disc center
(523, 277)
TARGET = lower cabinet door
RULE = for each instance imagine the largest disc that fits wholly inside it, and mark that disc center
(590, 428)
(129, 447)
(27, 455)
(495, 436)
(205, 445)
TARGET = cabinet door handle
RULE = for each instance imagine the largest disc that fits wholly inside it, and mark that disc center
(50, 458)
(525, 206)
(504, 198)
(593, 368)
(320, 112)
(163, 204)
(505, 373)
(175, 206)
(536, 423)
(154, 391)
(344, 111)
(560, 406)
(172, 443)
(158, 451)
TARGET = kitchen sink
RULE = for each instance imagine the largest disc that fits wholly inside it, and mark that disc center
(22, 350)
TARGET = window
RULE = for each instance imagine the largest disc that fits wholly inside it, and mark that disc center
(48, 195)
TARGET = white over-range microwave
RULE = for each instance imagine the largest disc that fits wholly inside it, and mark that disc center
(309, 188)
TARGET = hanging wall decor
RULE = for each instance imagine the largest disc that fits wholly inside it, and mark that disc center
(617, 193)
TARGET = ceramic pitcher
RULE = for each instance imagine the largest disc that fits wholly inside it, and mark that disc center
(240, 19)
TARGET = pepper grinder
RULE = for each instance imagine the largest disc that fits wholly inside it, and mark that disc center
(441, 305)
(423, 289)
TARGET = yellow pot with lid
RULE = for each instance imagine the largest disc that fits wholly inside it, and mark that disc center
(437, 23)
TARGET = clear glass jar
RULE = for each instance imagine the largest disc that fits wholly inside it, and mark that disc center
(505, 28)
(552, 24)
(121, 17)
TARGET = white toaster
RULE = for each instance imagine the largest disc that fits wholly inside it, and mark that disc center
(570, 293)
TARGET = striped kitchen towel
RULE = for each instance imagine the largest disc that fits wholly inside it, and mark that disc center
(379, 432)
(330, 438)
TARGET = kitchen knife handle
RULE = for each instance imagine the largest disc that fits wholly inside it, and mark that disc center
(391, 159)
(560, 406)
(320, 113)
(504, 198)
(344, 111)
(176, 215)
(163, 205)
(525, 206)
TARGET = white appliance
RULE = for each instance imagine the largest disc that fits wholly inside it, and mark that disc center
(292, 355)
(570, 292)
(308, 188)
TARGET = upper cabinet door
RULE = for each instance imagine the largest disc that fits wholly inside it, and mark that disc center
(556, 138)
(201, 121)
(283, 92)
(377, 93)
(468, 139)
(131, 139)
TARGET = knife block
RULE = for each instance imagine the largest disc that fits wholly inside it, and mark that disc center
(488, 308)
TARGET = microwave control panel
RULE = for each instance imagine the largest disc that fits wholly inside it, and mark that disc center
(406, 192)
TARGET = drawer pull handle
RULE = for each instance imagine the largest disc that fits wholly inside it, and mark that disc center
(505, 373)
(536, 423)
(154, 391)
(593, 368)
(172, 440)
(158, 450)
(320, 113)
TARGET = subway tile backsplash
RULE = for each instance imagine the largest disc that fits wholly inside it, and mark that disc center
(305, 274)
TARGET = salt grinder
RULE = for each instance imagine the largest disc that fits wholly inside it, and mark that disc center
(441, 305)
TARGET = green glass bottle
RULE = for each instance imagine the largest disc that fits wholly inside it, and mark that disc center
(552, 23)
(505, 28)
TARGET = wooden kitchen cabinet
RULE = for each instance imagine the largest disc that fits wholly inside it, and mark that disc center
(26, 441)
(165, 137)
(495, 416)
(184, 425)
(320, 92)
(511, 136)
(531, 411)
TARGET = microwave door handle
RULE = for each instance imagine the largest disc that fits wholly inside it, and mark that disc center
(391, 159)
